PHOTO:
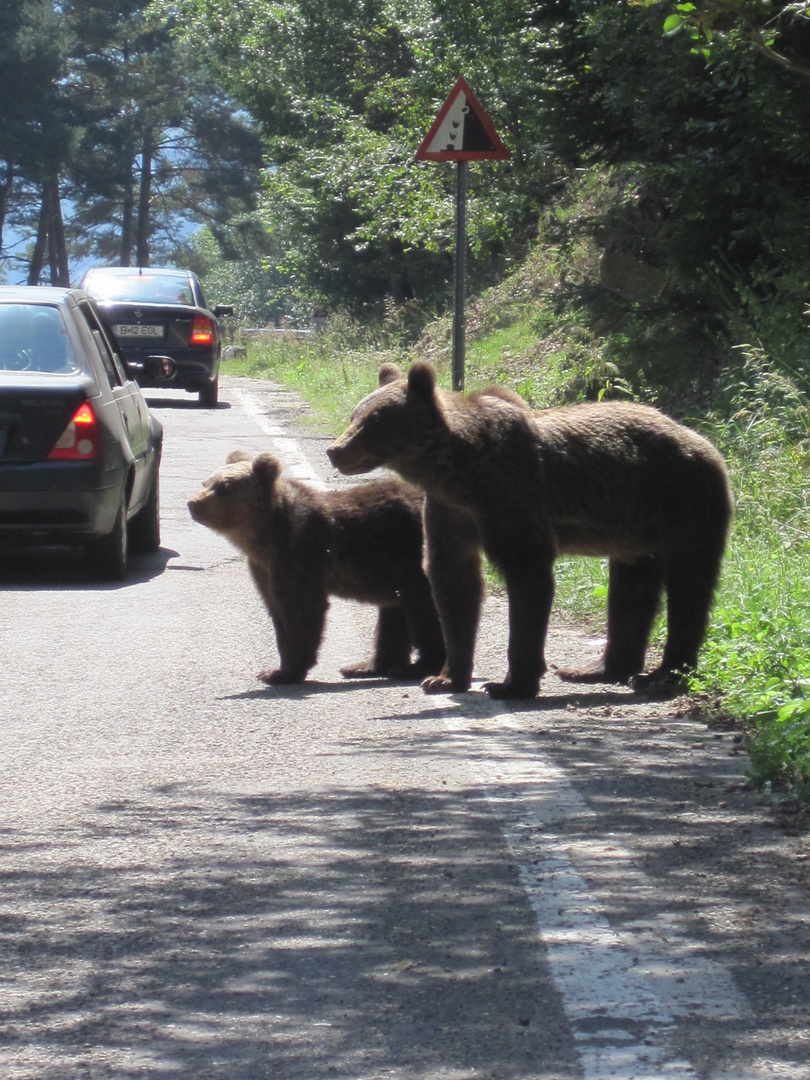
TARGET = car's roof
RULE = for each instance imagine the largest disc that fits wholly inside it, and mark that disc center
(136, 271)
(35, 294)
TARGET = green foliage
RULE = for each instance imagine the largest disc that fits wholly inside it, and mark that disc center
(250, 279)
(775, 32)
(332, 369)
(756, 654)
(35, 135)
(345, 95)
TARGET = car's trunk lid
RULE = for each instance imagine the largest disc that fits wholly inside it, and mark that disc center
(33, 415)
(147, 326)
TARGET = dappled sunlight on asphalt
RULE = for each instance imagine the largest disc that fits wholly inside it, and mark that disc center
(336, 934)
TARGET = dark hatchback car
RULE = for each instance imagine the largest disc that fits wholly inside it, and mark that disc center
(158, 310)
(79, 449)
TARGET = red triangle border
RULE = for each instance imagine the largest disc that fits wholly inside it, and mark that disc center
(498, 151)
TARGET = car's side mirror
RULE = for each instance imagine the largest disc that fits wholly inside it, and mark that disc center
(223, 309)
(158, 369)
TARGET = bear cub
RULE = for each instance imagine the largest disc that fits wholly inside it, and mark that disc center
(303, 546)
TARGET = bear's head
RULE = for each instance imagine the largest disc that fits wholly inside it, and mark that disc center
(395, 425)
(234, 498)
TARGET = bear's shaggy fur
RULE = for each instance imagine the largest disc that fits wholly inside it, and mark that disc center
(611, 479)
(303, 546)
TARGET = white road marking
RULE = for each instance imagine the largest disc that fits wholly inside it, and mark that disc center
(289, 450)
(622, 989)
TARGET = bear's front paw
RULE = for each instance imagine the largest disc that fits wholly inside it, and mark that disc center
(442, 684)
(279, 677)
(509, 691)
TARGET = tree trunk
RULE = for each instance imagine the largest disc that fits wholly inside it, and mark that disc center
(399, 287)
(6, 186)
(144, 198)
(57, 246)
(50, 238)
(127, 225)
(38, 254)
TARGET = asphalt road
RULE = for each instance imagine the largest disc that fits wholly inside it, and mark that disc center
(204, 877)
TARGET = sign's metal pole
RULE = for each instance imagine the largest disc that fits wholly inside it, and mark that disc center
(461, 132)
(459, 275)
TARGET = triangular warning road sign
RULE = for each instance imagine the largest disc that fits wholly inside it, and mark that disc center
(462, 131)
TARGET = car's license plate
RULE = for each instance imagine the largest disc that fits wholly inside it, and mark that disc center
(138, 330)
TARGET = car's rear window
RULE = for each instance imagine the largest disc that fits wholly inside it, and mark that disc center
(145, 288)
(33, 337)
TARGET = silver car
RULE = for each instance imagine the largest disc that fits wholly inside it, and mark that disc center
(79, 449)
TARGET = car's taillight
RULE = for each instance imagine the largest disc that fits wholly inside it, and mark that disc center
(80, 441)
(202, 330)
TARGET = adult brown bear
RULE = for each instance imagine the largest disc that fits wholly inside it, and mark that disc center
(363, 543)
(611, 479)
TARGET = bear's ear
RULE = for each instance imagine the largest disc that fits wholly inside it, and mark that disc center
(238, 455)
(266, 467)
(389, 373)
(421, 380)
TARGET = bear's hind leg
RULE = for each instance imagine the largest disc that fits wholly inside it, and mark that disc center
(634, 592)
(690, 580)
(425, 628)
(392, 648)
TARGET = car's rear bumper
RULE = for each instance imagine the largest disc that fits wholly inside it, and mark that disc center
(47, 501)
(193, 369)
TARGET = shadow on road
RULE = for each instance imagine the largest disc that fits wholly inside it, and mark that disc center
(60, 567)
(194, 934)
(340, 934)
(184, 403)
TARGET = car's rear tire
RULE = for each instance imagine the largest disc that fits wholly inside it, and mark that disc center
(108, 555)
(209, 394)
(144, 529)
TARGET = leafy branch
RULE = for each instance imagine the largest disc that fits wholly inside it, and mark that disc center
(728, 20)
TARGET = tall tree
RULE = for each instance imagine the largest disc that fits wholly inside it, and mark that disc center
(35, 133)
(159, 145)
(345, 89)
(101, 105)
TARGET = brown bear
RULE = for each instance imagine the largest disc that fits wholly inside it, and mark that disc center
(363, 543)
(610, 479)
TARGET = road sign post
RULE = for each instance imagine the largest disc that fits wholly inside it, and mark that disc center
(459, 275)
(461, 132)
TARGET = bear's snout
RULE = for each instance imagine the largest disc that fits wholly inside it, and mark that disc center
(194, 508)
(338, 456)
(349, 458)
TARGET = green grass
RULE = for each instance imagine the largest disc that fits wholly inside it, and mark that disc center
(757, 658)
(329, 373)
(557, 341)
